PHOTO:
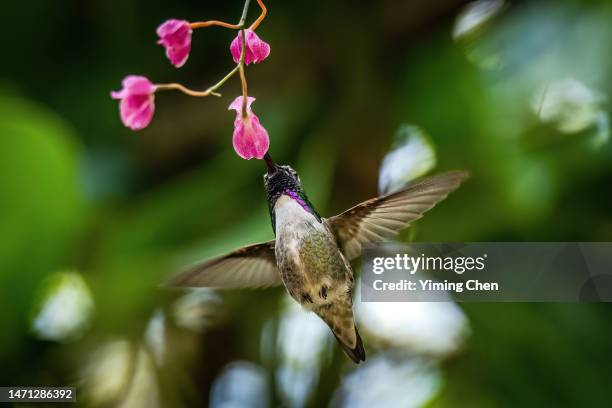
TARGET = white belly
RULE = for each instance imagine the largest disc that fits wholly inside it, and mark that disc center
(290, 214)
(294, 227)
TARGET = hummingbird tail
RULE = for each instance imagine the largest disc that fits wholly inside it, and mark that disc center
(339, 318)
(356, 354)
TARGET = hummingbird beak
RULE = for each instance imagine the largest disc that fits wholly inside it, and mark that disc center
(270, 163)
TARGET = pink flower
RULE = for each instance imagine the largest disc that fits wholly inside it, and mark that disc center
(175, 37)
(137, 101)
(255, 51)
(250, 138)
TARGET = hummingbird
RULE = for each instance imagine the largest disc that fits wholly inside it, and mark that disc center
(311, 255)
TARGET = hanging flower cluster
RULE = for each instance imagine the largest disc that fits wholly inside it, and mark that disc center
(137, 97)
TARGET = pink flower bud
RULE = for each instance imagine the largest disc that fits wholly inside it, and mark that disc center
(175, 37)
(255, 51)
(137, 101)
(250, 138)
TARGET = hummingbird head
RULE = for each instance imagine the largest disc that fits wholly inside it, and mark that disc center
(283, 179)
(280, 179)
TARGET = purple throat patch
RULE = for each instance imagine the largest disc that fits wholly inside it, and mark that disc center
(298, 199)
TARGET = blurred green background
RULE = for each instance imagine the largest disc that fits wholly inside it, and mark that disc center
(94, 217)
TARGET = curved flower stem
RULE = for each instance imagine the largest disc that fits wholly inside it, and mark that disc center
(245, 9)
(238, 68)
(244, 91)
(211, 23)
(223, 80)
(264, 12)
(187, 91)
(203, 24)
(243, 80)
(241, 63)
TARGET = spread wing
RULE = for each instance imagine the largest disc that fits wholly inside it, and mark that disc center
(383, 217)
(248, 267)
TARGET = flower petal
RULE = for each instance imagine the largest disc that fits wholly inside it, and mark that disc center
(250, 139)
(175, 37)
(137, 104)
(137, 85)
(237, 104)
(235, 48)
(255, 51)
(259, 50)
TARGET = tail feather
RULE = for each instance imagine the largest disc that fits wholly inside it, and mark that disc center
(356, 354)
(339, 318)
